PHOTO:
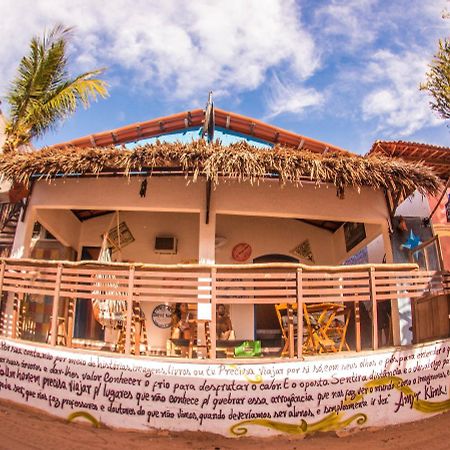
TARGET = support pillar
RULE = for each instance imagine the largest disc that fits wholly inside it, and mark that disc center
(206, 255)
(20, 249)
(397, 338)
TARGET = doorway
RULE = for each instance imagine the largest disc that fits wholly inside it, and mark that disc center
(86, 327)
(266, 320)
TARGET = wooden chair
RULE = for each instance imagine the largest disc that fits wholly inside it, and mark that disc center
(195, 343)
(326, 331)
(61, 332)
(287, 319)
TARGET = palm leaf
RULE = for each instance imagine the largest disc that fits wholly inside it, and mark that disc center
(42, 94)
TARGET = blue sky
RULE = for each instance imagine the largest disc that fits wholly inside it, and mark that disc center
(343, 71)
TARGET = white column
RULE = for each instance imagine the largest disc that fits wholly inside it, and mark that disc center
(24, 232)
(400, 328)
(20, 249)
(206, 255)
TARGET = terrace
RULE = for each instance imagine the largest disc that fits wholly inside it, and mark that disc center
(65, 285)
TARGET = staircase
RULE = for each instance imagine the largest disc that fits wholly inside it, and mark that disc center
(9, 216)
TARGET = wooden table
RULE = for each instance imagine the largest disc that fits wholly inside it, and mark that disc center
(325, 331)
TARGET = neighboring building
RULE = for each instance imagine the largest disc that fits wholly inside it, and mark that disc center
(427, 216)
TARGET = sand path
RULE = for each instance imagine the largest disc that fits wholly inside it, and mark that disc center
(26, 428)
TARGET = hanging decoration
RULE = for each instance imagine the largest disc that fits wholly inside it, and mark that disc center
(412, 242)
(119, 237)
(143, 190)
(303, 251)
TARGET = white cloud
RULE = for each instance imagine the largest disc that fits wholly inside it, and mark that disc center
(394, 98)
(291, 98)
(172, 48)
(352, 21)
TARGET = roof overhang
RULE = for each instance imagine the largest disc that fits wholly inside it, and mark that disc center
(195, 118)
(436, 157)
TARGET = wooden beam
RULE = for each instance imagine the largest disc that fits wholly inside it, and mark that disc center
(373, 299)
(129, 311)
(357, 325)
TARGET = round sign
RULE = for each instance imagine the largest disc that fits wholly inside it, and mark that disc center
(162, 316)
(241, 252)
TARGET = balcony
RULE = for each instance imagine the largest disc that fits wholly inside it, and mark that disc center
(40, 299)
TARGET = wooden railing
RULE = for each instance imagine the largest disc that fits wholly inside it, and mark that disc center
(228, 284)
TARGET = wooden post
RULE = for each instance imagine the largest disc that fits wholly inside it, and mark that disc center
(3, 320)
(373, 298)
(16, 311)
(290, 313)
(2, 276)
(70, 321)
(213, 327)
(299, 314)
(55, 308)
(137, 335)
(439, 252)
(129, 311)
(357, 326)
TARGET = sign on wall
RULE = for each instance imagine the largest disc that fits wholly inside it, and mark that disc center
(162, 316)
(354, 233)
(233, 399)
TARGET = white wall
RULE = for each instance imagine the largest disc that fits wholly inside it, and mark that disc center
(231, 197)
(61, 224)
(144, 227)
(267, 235)
(372, 231)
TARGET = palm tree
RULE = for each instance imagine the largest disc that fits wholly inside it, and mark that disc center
(43, 94)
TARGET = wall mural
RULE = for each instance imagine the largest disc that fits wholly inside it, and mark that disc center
(296, 398)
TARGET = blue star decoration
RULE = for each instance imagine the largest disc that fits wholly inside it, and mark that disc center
(412, 242)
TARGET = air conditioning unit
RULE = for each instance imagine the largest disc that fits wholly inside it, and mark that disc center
(166, 245)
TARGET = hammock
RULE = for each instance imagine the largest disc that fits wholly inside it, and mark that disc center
(108, 312)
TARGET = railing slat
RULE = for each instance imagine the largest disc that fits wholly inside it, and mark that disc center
(55, 308)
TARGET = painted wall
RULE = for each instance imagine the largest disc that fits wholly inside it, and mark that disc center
(145, 226)
(253, 399)
(268, 235)
(341, 254)
(62, 224)
(269, 198)
(231, 197)
(441, 227)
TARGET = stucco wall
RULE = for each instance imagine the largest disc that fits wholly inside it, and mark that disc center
(297, 398)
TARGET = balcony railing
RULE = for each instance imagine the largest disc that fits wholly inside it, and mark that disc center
(278, 283)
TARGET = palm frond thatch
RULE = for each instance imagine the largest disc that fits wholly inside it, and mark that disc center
(239, 161)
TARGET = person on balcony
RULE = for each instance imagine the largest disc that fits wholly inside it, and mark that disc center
(224, 327)
(181, 322)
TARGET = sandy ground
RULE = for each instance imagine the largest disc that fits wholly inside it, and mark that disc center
(26, 428)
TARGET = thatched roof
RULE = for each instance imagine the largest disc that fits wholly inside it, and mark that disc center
(239, 161)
